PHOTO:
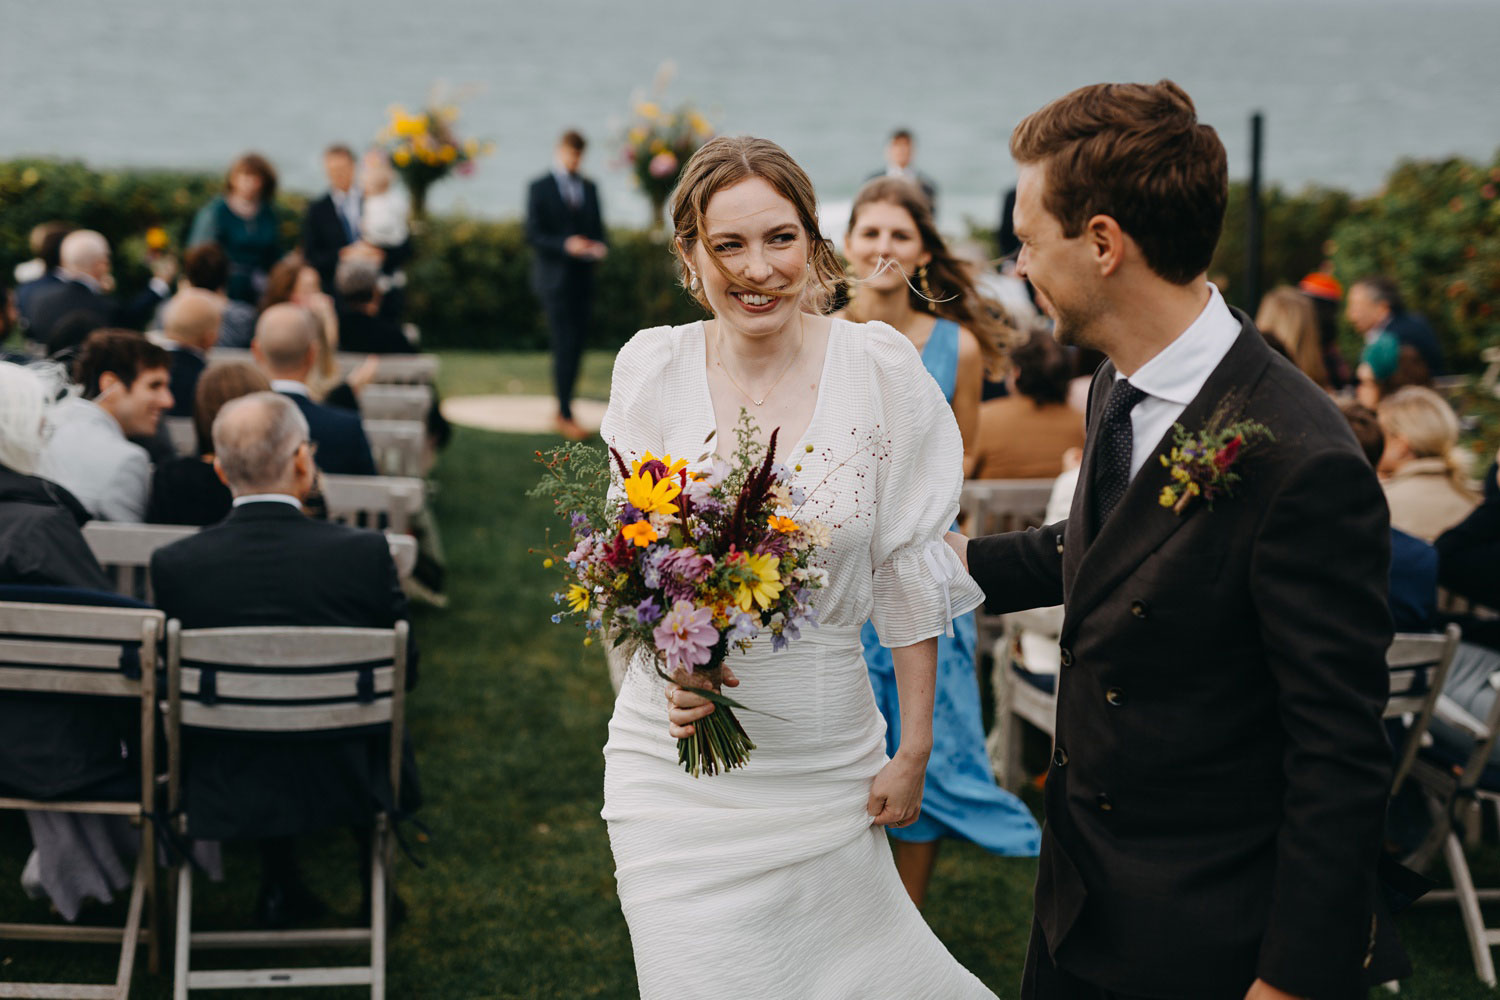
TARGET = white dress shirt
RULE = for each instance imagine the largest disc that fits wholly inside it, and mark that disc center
(1176, 375)
(285, 498)
(347, 205)
(88, 456)
(290, 387)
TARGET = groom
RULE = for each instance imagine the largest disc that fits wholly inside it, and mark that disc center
(1218, 785)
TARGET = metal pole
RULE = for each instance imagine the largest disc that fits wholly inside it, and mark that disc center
(1253, 221)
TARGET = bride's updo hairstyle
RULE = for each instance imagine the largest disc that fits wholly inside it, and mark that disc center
(949, 292)
(724, 162)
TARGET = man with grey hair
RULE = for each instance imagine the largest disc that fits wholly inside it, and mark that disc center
(286, 348)
(362, 328)
(87, 285)
(267, 564)
(190, 324)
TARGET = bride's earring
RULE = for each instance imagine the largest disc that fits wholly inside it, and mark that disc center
(693, 280)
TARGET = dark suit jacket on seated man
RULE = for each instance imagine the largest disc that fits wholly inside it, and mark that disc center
(285, 345)
(86, 278)
(1217, 792)
(268, 564)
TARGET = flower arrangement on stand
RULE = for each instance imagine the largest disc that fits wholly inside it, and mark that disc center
(657, 144)
(425, 147)
(684, 564)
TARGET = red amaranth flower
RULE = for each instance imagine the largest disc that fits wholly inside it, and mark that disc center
(1225, 458)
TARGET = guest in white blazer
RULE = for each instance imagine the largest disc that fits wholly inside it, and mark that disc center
(124, 382)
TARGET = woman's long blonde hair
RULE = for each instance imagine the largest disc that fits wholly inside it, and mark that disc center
(1428, 425)
(724, 162)
(1289, 316)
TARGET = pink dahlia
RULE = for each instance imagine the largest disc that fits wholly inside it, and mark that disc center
(686, 636)
(662, 166)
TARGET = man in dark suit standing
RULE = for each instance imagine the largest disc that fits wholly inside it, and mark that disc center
(566, 234)
(1218, 783)
(899, 150)
(332, 222)
(285, 346)
(268, 564)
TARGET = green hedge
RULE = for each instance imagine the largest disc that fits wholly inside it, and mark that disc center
(1435, 227)
(469, 283)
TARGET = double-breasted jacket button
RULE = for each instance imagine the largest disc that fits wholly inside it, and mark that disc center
(1060, 757)
(1066, 657)
(1103, 802)
(1115, 697)
(1140, 609)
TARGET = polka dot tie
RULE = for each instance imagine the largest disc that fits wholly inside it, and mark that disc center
(1112, 461)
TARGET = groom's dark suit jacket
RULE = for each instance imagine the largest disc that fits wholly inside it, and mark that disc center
(1216, 796)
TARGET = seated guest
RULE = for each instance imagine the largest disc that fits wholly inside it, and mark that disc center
(294, 280)
(206, 268)
(187, 490)
(1023, 435)
(1375, 307)
(40, 538)
(86, 270)
(124, 381)
(361, 328)
(286, 346)
(1424, 482)
(1469, 552)
(268, 565)
(190, 324)
(1385, 366)
(1414, 564)
(46, 248)
(1288, 315)
(1325, 293)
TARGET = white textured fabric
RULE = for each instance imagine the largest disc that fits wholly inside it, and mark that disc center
(769, 881)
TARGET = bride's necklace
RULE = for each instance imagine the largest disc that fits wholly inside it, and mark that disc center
(802, 338)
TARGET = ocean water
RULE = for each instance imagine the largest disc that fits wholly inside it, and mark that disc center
(1348, 87)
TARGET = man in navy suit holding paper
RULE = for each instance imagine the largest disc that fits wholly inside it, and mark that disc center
(566, 234)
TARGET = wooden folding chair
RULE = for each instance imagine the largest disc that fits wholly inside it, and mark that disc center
(60, 649)
(395, 402)
(285, 680)
(124, 550)
(1418, 664)
(1021, 696)
(388, 502)
(395, 369)
(398, 446)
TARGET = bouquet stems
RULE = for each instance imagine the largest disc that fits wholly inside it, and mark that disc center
(719, 743)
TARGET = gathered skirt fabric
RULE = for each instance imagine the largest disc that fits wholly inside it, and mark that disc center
(768, 881)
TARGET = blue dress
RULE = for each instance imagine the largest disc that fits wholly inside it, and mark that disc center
(960, 798)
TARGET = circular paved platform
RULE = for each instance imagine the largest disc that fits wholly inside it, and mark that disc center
(518, 414)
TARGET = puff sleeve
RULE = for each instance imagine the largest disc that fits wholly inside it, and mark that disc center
(632, 422)
(919, 584)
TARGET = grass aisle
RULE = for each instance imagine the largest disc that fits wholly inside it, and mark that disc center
(518, 897)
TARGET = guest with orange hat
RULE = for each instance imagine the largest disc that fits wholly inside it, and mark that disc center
(1325, 292)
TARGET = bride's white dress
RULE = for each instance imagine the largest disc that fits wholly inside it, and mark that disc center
(769, 881)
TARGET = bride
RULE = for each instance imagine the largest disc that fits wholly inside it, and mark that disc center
(776, 880)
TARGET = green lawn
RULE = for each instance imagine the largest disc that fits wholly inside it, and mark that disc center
(517, 899)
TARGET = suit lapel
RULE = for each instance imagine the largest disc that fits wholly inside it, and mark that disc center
(1079, 534)
(1141, 524)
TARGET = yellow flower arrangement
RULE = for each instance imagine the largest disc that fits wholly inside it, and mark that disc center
(424, 148)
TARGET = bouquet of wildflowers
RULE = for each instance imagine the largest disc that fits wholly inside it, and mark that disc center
(656, 146)
(685, 564)
(425, 147)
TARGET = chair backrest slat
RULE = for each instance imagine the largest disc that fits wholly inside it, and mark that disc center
(996, 505)
(395, 402)
(387, 502)
(289, 687)
(285, 647)
(285, 718)
(48, 652)
(394, 369)
(397, 445)
(39, 680)
(71, 622)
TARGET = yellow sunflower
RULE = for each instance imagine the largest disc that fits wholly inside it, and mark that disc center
(578, 597)
(649, 497)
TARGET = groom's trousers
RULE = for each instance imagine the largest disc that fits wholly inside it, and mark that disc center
(1044, 981)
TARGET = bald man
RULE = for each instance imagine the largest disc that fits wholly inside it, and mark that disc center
(85, 267)
(286, 348)
(268, 565)
(190, 323)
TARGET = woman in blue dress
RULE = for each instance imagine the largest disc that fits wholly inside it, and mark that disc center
(904, 276)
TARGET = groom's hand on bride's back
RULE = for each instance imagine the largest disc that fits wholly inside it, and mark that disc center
(685, 708)
(960, 545)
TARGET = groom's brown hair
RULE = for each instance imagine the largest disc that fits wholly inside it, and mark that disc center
(1137, 153)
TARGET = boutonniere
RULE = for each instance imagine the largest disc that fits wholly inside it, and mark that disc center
(1205, 464)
